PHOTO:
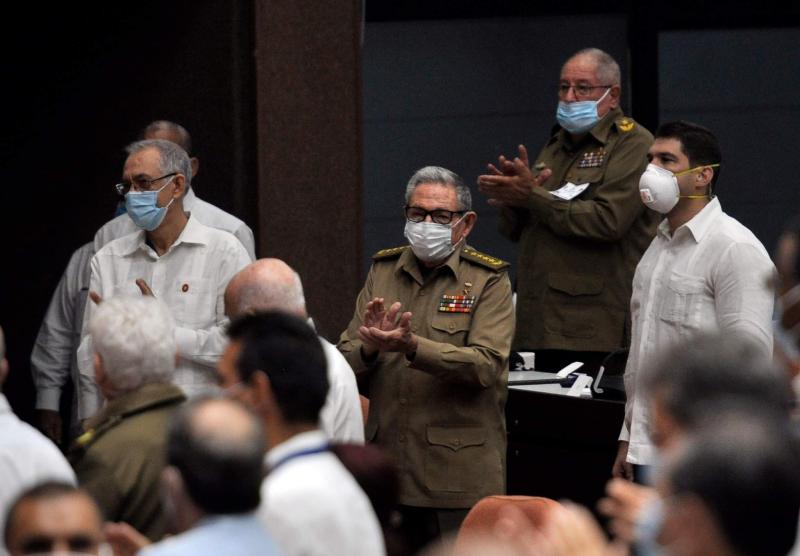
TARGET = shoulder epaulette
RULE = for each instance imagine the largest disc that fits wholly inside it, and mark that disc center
(389, 253)
(82, 443)
(625, 124)
(483, 259)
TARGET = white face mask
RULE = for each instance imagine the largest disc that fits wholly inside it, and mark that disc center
(659, 189)
(431, 242)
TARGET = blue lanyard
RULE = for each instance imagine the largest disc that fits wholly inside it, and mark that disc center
(302, 453)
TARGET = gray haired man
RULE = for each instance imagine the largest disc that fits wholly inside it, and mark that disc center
(429, 340)
(120, 457)
(174, 257)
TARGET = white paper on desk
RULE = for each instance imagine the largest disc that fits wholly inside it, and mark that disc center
(569, 191)
(579, 385)
(572, 367)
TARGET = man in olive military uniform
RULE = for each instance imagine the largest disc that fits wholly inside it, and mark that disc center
(120, 457)
(430, 340)
(578, 218)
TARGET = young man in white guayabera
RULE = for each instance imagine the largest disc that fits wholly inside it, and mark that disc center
(174, 257)
(703, 272)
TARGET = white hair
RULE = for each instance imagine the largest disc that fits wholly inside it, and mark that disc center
(607, 68)
(134, 336)
(437, 174)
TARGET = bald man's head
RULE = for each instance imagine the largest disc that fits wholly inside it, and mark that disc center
(217, 446)
(265, 285)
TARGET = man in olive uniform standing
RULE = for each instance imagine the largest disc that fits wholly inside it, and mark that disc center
(430, 340)
(577, 216)
(120, 457)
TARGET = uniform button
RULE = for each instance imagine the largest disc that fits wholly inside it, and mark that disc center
(422, 292)
(451, 326)
(456, 442)
(402, 438)
(403, 401)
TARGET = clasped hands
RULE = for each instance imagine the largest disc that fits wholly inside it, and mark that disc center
(509, 184)
(386, 330)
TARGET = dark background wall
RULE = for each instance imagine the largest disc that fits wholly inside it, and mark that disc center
(443, 83)
(749, 97)
(79, 83)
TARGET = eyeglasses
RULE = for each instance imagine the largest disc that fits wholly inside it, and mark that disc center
(581, 91)
(139, 184)
(440, 216)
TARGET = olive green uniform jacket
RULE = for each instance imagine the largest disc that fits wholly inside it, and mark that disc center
(440, 415)
(576, 258)
(120, 457)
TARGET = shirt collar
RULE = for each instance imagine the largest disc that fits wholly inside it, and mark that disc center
(299, 442)
(699, 224)
(138, 400)
(189, 199)
(5, 407)
(193, 233)
(409, 263)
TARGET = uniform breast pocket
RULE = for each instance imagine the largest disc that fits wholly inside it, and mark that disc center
(451, 328)
(681, 300)
(457, 459)
(566, 301)
(580, 176)
(194, 302)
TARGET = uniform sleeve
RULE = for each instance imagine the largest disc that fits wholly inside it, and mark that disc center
(512, 222)
(349, 344)
(743, 299)
(484, 359)
(616, 205)
(51, 357)
(205, 345)
(98, 480)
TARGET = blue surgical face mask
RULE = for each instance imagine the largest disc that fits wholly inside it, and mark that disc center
(143, 208)
(581, 116)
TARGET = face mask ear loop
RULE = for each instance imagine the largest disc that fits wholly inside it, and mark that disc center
(710, 194)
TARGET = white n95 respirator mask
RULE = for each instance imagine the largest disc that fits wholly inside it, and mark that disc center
(659, 189)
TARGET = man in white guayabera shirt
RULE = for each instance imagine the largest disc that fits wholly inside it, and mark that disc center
(704, 271)
(174, 257)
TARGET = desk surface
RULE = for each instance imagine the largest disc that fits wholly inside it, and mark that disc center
(556, 389)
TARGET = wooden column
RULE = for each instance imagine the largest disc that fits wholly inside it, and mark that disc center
(308, 81)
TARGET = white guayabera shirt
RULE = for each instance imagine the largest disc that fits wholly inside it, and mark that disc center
(190, 279)
(712, 274)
